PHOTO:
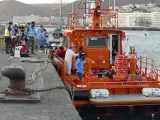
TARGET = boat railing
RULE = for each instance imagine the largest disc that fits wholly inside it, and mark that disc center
(148, 68)
(108, 18)
(122, 84)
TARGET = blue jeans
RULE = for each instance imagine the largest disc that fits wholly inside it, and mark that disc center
(31, 44)
(80, 75)
(9, 43)
(38, 44)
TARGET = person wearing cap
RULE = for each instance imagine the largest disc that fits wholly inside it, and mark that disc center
(68, 58)
(80, 66)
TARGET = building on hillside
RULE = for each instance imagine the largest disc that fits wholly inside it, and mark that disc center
(139, 19)
(156, 19)
(52, 20)
(155, 1)
(126, 19)
(25, 19)
(143, 19)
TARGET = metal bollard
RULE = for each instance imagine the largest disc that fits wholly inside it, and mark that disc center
(17, 76)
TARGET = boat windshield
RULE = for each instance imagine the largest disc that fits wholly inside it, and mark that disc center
(96, 41)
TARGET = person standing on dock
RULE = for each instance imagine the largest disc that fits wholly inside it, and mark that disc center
(40, 29)
(8, 38)
(40, 39)
(31, 35)
(68, 59)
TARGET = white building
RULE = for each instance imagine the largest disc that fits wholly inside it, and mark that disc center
(156, 19)
(25, 19)
(142, 19)
(139, 19)
(126, 19)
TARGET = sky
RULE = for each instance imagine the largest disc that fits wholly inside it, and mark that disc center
(43, 1)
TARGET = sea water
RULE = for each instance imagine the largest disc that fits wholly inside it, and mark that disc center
(147, 44)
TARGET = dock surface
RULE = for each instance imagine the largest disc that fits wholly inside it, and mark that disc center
(54, 105)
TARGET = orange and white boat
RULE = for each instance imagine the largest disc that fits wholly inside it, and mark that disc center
(135, 82)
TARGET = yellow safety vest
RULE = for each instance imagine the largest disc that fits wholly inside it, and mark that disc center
(18, 34)
(6, 32)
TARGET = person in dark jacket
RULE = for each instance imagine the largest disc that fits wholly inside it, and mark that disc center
(81, 52)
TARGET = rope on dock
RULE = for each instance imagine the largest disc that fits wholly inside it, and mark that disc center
(32, 60)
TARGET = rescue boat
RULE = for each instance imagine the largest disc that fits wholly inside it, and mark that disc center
(134, 83)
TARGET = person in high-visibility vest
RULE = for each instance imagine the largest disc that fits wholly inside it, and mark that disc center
(31, 36)
(8, 38)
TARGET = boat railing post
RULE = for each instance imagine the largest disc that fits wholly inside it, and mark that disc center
(157, 76)
(146, 67)
(140, 65)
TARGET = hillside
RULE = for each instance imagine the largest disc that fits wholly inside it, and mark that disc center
(10, 8)
(67, 8)
(50, 6)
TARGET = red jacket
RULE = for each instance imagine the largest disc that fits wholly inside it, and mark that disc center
(20, 42)
(61, 53)
(24, 49)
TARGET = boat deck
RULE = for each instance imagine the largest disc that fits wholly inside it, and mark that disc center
(53, 105)
(134, 99)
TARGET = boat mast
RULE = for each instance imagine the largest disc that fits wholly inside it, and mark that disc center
(96, 15)
(72, 7)
(114, 5)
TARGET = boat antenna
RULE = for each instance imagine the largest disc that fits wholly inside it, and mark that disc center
(114, 5)
(109, 3)
(61, 11)
(72, 6)
(96, 18)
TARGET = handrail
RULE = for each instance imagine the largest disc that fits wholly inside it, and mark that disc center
(150, 68)
(105, 14)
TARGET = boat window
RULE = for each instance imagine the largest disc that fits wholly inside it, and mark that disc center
(115, 42)
(96, 41)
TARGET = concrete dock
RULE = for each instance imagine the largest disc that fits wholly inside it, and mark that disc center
(53, 105)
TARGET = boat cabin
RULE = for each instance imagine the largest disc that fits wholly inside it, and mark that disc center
(98, 44)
